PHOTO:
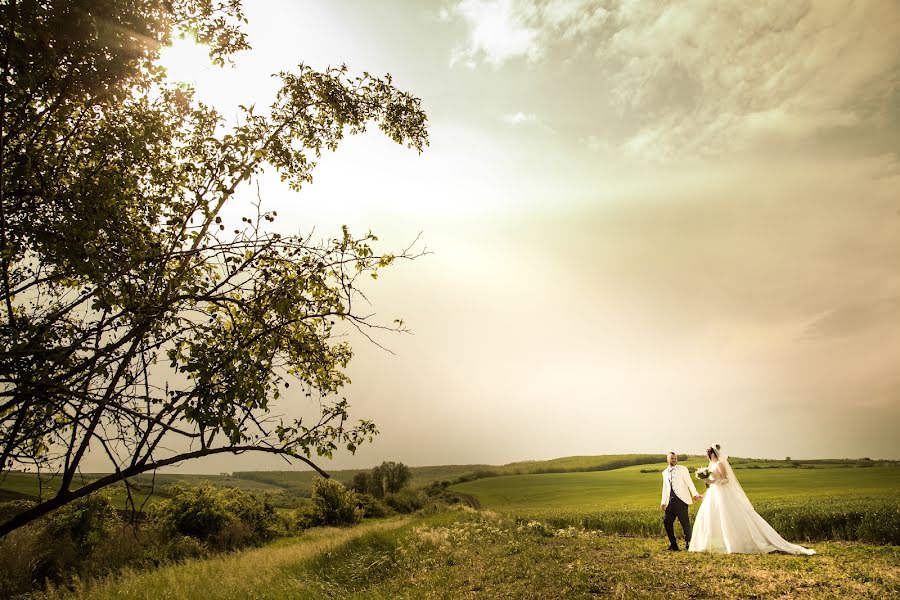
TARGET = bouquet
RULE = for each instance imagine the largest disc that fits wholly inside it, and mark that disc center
(703, 473)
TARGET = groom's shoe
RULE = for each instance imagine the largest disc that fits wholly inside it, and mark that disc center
(673, 549)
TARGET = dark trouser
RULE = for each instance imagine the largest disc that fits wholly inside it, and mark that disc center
(677, 508)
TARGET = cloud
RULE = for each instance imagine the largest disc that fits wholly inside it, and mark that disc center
(504, 30)
(706, 78)
(496, 33)
(854, 318)
(713, 78)
(520, 118)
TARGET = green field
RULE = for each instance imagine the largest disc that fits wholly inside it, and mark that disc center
(832, 502)
(629, 488)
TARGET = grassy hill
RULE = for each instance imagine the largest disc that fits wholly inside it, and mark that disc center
(17, 485)
(804, 502)
(422, 476)
(637, 487)
(301, 481)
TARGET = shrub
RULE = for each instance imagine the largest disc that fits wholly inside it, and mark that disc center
(86, 521)
(485, 473)
(20, 554)
(222, 518)
(177, 547)
(406, 501)
(372, 507)
(86, 538)
(11, 508)
(332, 504)
(70, 539)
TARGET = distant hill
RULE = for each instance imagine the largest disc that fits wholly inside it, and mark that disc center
(301, 481)
(421, 476)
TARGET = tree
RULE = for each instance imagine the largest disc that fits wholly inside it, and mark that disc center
(131, 313)
(390, 477)
(333, 504)
(361, 482)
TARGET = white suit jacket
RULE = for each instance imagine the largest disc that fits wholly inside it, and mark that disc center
(681, 481)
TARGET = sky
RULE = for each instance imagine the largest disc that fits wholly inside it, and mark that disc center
(651, 225)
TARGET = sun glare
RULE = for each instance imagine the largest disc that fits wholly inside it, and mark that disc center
(185, 60)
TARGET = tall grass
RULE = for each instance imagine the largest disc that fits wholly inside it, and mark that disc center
(275, 571)
(875, 521)
(465, 553)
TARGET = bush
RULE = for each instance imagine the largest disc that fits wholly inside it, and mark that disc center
(86, 538)
(372, 507)
(20, 554)
(86, 521)
(11, 508)
(406, 501)
(224, 519)
(332, 504)
(485, 473)
(71, 539)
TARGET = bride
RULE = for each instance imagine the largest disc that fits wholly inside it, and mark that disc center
(726, 521)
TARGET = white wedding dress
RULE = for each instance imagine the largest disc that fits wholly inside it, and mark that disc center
(726, 522)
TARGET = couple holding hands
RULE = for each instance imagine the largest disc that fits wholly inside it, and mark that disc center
(726, 521)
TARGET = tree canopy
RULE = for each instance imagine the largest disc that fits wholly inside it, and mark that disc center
(387, 478)
(131, 312)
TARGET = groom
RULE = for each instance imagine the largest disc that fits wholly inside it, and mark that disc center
(678, 489)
